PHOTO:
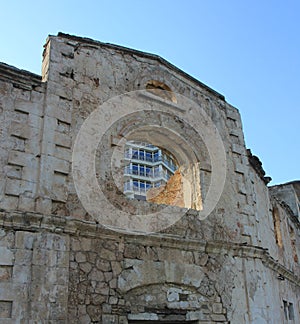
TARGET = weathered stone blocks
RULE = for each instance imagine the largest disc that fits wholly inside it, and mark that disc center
(58, 265)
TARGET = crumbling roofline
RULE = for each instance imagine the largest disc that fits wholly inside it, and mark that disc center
(18, 77)
(140, 53)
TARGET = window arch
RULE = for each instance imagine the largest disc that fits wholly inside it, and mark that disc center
(182, 185)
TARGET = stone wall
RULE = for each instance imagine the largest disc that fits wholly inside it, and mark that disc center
(21, 105)
(74, 270)
(60, 263)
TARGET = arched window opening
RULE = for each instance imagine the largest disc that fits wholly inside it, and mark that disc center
(154, 174)
(161, 90)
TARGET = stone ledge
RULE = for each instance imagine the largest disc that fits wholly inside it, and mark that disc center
(35, 222)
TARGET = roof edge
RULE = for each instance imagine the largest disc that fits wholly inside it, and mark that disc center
(20, 78)
(141, 53)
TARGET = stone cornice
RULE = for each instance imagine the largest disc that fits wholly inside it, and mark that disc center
(35, 222)
(20, 78)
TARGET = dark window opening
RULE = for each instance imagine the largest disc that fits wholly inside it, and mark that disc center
(291, 311)
(288, 309)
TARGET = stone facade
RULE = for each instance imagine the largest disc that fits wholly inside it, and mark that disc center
(62, 261)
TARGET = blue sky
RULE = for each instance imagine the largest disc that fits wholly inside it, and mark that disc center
(246, 50)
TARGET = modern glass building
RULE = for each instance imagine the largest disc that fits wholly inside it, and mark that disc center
(146, 166)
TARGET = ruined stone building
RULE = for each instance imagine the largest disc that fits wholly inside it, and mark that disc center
(215, 244)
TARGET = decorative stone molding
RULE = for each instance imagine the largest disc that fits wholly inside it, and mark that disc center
(37, 222)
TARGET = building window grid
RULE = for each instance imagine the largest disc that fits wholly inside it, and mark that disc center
(150, 156)
(147, 168)
(140, 186)
(140, 170)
